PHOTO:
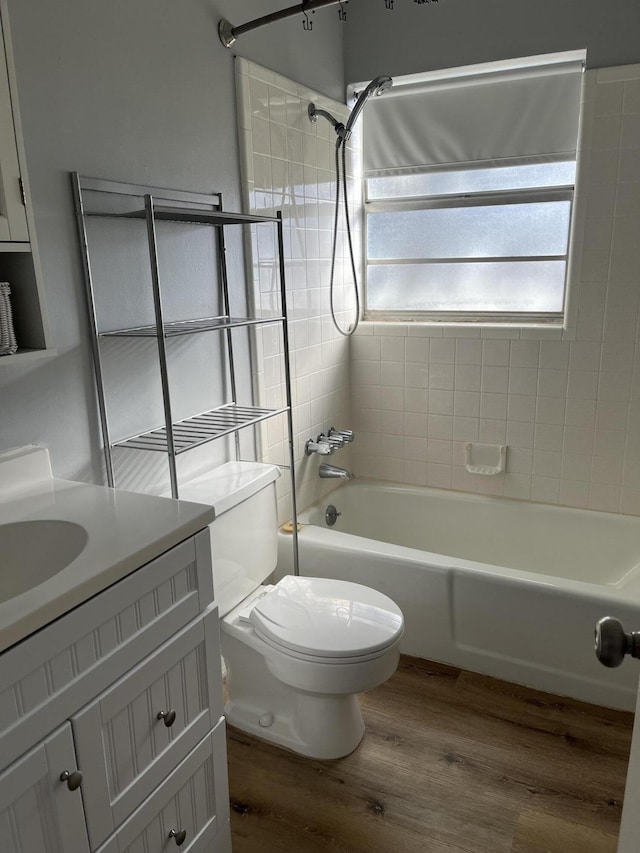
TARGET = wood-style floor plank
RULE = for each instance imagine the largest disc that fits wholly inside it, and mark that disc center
(451, 762)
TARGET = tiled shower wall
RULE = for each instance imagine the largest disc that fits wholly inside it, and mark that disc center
(567, 404)
(288, 165)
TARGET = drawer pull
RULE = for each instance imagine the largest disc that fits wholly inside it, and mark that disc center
(179, 835)
(73, 780)
(168, 717)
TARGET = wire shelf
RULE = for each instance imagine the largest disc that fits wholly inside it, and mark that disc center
(188, 215)
(202, 428)
(190, 327)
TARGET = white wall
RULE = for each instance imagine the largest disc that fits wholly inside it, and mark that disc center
(140, 92)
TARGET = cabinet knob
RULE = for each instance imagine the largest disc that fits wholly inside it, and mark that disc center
(168, 717)
(179, 835)
(73, 779)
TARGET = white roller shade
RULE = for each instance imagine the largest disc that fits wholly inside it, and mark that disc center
(474, 118)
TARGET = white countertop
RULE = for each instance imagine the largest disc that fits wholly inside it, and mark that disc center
(125, 531)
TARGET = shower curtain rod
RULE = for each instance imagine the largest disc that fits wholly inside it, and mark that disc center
(228, 33)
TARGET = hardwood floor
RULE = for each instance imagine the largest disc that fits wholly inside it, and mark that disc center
(451, 762)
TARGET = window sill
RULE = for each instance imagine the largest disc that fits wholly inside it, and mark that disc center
(434, 329)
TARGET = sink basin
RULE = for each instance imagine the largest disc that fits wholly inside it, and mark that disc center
(31, 552)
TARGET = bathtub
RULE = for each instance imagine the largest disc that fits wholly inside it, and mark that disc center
(506, 588)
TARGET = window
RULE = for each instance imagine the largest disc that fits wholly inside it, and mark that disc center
(468, 197)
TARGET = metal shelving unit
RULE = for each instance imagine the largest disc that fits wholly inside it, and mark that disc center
(176, 437)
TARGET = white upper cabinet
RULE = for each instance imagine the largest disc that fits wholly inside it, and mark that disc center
(19, 261)
(13, 216)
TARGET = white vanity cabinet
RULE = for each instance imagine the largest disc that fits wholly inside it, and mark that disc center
(126, 690)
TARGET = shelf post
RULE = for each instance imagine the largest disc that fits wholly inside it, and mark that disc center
(162, 348)
(226, 307)
(93, 321)
(287, 374)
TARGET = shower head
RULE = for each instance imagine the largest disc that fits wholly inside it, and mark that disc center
(375, 87)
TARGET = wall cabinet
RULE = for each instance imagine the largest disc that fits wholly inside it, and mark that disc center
(147, 740)
(19, 261)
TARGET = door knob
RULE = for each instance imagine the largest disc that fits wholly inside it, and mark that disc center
(613, 643)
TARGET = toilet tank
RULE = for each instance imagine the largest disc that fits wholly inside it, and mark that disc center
(244, 534)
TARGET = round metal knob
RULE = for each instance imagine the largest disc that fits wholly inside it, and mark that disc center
(72, 778)
(179, 836)
(613, 643)
(168, 717)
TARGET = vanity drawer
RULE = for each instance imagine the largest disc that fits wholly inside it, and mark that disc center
(131, 738)
(54, 672)
(193, 800)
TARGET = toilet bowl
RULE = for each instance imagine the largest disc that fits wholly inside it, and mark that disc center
(296, 652)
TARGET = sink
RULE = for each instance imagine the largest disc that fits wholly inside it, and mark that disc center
(31, 552)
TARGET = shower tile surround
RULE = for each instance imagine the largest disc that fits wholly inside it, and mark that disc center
(566, 402)
(287, 164)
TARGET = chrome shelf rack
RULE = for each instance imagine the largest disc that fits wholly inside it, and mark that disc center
(152, 205)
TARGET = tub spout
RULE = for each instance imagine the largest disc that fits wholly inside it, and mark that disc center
(332, 472)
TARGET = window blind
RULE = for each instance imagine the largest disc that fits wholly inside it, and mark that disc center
(490, 115)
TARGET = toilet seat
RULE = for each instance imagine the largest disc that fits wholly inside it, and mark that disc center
(326, 620)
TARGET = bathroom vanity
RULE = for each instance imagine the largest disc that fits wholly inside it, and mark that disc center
(111, 730)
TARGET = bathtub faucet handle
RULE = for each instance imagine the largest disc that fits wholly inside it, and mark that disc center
(347, 435)
(336, 441)
(321, 446)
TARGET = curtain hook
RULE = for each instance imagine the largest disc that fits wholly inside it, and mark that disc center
(342, 12)
(307, 24)
(389, 4)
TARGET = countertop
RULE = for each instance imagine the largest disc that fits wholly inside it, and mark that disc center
(125, 531)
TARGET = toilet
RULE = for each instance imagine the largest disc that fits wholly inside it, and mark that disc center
(296, 652)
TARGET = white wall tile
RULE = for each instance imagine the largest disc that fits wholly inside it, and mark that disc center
(442, 351)
(493, 406)
(468, 351)
(465, 428)
(494, 379)
(523, 380)
(441, 376)
(496, 353)
(545, 489)
(524, 354)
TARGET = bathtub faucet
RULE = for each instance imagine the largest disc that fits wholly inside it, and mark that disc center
(332, 472)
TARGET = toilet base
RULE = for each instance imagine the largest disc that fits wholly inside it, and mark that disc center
(318, 725)
(323, 727)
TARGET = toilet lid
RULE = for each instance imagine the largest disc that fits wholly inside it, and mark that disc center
(327, 618)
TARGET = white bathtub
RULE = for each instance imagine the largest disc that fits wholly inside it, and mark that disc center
(505, 588)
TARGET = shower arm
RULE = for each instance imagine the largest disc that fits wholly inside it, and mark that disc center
(228, 33)
(313, 112)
